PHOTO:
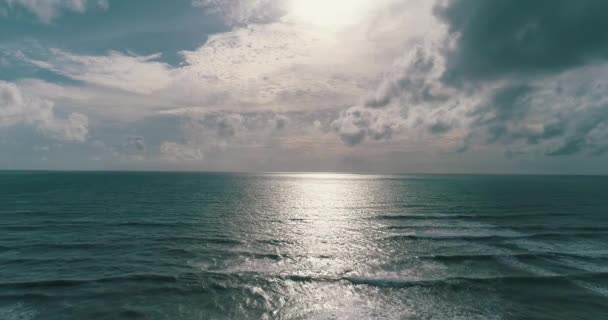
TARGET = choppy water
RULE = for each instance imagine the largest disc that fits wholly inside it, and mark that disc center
(302, 246)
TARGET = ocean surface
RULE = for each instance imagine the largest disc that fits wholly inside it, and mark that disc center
(93, 245)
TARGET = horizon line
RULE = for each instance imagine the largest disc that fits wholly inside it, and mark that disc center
(362, 173)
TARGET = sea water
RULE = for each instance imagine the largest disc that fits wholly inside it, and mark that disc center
(112, 245)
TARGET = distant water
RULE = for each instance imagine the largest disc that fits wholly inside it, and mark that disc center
(302, 246)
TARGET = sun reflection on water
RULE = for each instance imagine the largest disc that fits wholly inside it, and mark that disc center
(316, 246)
(318, 225)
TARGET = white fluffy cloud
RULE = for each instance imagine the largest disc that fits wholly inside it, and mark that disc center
(139, 74)
(15, 109)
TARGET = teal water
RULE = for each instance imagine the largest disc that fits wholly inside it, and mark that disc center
(302, 246)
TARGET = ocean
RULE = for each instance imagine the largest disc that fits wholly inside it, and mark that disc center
(135, 245)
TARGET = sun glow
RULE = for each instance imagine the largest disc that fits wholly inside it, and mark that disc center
(328, 13)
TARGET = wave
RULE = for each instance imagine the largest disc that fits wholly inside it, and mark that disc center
(22, 227)
(91, 224)
(383, 282)
(274, 242)
(19, 261)
(121, 242)
(29, 296)
(68, 245)
(517, 228)
(53, 283)
(533, 279)
(215, 280)
(493, 237)
(533, 255)
(260, 255)
(462, 216)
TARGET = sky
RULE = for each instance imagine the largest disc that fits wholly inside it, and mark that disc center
(383, 86)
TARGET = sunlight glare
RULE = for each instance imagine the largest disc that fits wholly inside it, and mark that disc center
(328, 13)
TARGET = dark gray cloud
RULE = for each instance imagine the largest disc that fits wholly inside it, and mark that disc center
(131, 145)
(223, 126)
(502, 37)
(589, 134)
(135, 143)
(280, 122)
(505, 106)
(525, 76)
(521, 116)
(440, 127)
(356, 124)
(410, 80)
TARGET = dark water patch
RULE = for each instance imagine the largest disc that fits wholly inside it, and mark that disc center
(192, 239)
(67, 246)
(274, 242)
(41, 261)
(28, 296)
(91, 224)
(77, 282)
(133, 314)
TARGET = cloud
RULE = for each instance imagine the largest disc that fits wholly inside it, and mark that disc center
(262, 67)
(47, 10)
(132, 144)
(275, 65)
(210, 134)
(504, 37)
(239, 12)
(222, 129)
(413, 78)
(278, 64)
(280, 122)
(536, 97)
(17, 109)
(410, 96)
(138, 74)
(225, 126)
(558, 115)
(355, 124)
(403, 77)
(181, 152)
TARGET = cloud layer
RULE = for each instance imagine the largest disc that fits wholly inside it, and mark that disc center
(446, 79)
